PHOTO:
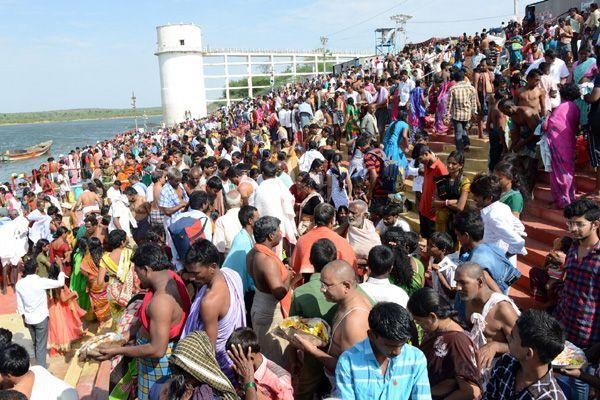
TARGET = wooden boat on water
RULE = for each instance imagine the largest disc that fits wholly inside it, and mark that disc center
(27, 152)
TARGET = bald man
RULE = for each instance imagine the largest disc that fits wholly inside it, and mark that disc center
(490, 315)
(283, 176)
(193, 182)
(350, 324)
(246, 185)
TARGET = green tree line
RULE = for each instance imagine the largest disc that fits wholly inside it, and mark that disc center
(75, 114)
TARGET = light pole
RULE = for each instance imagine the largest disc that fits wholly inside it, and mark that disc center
(324, 40)
(400, 20)
(133, 98)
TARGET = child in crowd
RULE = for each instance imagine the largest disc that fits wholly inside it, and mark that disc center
(64, 320)
(358, 189)
(555, 263)
(270, 380)
(546, 281)
(416, 169)
(442, 264)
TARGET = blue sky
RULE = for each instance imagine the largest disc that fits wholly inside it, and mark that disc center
(72, 54)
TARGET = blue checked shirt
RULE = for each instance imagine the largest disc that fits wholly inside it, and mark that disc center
(169, 197)
(358, 375)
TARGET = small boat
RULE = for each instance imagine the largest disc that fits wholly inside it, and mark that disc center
(27, 152)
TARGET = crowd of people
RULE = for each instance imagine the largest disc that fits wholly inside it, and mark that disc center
(194, 242)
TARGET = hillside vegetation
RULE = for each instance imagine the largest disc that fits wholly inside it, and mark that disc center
(73, 115)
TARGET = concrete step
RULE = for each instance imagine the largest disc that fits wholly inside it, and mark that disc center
(541, 230)
(543, 193)
(523, 298)
(542, 211)
(536, 252)
(474, 151)
(583, 182)
(449, 139)
(412, 217)
(524, 267)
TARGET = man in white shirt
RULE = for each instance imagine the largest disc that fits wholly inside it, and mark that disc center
(228, 225)
(17, 374)
(307, 158)
(558, 69)
(380, 262)
(121, 216)
(13, 246)
(32, 305)
(593, 20)
(114, 192)
(285, 119)
(501, 227)
(405, 86)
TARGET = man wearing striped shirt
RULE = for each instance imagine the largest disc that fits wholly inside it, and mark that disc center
(383, 366)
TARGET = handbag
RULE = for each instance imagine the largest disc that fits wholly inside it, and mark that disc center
(121, 292)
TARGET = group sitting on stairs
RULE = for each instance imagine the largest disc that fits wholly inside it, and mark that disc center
(407, 258)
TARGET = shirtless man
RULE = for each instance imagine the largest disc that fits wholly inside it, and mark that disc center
(350, 324)
(92, 228)
(523, 140)
(89, 201)
(496, 126)
(218, 307)
(246, 185)
(163, 313)
(193, 182)
(140, 209)
(273, 282)
(532, 94)
(159, 177)
(490, 315)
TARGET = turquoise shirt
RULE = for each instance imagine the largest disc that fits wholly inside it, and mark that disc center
(236, 258)
(358, 375)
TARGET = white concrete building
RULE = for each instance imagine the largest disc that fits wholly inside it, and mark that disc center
(182, 65)
(181, 69)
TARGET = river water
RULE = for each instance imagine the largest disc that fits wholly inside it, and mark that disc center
(65, 136)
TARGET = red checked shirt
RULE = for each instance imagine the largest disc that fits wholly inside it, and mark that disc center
(373, 159)
(578, 309)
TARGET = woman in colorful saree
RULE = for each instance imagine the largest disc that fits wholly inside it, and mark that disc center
(96, 285)
(442, 102)
(78, 281)
(117, 264)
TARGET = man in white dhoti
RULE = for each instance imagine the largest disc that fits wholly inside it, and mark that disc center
(275, 200)
(13, 246)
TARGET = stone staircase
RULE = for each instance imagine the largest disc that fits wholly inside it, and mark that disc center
(542, 224)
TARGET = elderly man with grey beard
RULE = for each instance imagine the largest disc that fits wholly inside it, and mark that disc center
(360, 232)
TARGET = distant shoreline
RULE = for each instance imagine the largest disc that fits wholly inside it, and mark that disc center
(45, 117)
(73, 120)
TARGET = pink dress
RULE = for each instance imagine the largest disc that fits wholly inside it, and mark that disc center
(64, 322)
(561, 130)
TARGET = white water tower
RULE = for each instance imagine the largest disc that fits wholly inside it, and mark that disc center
(181, 72)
